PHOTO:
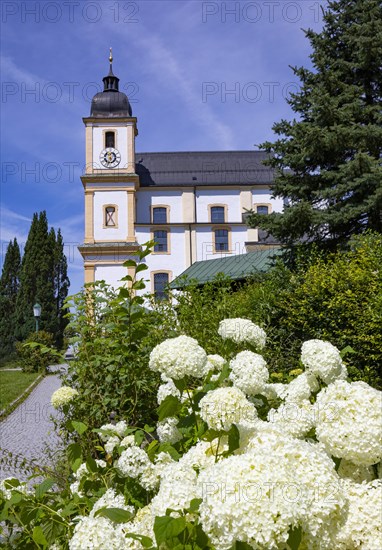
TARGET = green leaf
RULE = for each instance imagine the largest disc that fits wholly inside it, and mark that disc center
(91, 464)
(166, 527)
(211, 434)
(38, 536)
(194, 505)
(141, 267)
(129, 263)
(233, 438)
(145, 541)
(118, 515)
(169, 407)
(295, 536)
(346, 350)
(74, 454)
(44, 487)
(79, 427)
(181, 384)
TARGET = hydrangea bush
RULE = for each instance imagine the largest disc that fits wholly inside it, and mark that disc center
(234, 462)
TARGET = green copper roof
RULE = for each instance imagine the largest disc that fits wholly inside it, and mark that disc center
(235, 267)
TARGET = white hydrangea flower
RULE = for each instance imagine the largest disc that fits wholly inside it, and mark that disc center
(257, 496)
(301, 388)
(118, 429)
(323, 359)
(128, 441)
(167, 389)
(363, 527)
(249, 372)
(353, 472)
(177, 489)
(96, 534)
(142, 524)
(242, 330)
(135, 463)
(110, 499)
(223, 407)
(111, 444)
(214, 363)
(293, 418)
(274, 390)
(162, 460)
(168, 432)
(179, 357)
(63, 396)
(349, 421)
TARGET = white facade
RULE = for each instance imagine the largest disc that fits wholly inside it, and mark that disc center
(201, 197)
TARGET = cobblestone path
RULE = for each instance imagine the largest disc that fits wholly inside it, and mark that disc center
(28, 429)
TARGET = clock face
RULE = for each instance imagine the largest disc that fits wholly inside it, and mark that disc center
(110, 157)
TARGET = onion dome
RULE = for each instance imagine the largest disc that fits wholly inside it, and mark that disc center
(111, 102)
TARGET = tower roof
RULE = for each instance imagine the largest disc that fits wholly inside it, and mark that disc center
(111, 102)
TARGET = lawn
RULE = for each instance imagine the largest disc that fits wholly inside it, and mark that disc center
(12, 385)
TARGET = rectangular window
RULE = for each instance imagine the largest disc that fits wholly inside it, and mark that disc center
(110, 216)
(221, 239)
(262, 210)
(217, 214)
(160, 284)
(160, 214)
(160, 238)
(109, 139)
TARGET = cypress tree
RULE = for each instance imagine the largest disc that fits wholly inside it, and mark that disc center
(9, 286)
(327, 161)
(43, 279)
(61, 286)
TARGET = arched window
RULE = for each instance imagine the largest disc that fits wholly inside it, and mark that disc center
(160, 238)
(160, 284)
(110, 216)
(221, 240)
(109, 139)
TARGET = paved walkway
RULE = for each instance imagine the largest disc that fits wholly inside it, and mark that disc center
(28, 429)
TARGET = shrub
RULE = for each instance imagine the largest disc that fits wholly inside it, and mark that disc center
(294, 466)
(112, 334)
(37, 352)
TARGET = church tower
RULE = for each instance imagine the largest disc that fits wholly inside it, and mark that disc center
(110, 184)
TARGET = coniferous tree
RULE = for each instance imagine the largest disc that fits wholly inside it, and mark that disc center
(9, 286)
(41, 280)
(328, 161)
(61, 286)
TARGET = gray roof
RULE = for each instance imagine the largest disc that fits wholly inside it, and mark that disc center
(203, 168)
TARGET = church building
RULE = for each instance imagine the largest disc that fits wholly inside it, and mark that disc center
(190, 203)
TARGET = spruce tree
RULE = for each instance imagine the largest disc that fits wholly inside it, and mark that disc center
(9, 286)
(327, 161)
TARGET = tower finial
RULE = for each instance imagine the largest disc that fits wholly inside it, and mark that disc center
(111, 55)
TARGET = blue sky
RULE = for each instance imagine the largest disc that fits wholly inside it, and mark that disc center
(200, 76)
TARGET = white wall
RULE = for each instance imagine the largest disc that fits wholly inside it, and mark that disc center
(102, 198)
(263, 196)
(230, 197)
(112, 274)
(146, 199)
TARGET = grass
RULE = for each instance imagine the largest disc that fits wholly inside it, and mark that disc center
(13, 384)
